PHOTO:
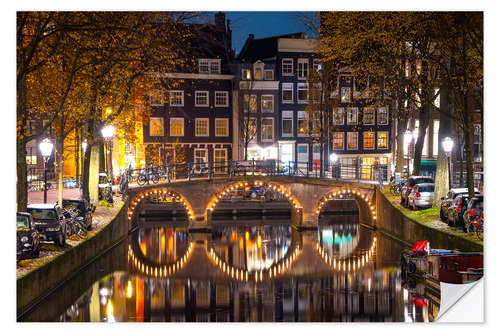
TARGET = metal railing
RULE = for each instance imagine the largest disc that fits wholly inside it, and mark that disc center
(235, 168)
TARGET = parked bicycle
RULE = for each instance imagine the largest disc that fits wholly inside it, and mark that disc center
(146, 176)
(77, 225)
(476, 226)
(396, 188)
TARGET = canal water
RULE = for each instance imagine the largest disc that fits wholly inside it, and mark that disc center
(244, 271)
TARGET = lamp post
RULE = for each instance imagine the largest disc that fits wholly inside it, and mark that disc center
(46, 149)
(333, 159)
(447, 147)
(407, 139)
(107, 133)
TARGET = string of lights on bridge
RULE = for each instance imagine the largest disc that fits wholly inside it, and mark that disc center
(138, 198)
(332, 195)
(159, 270)
(345, 265)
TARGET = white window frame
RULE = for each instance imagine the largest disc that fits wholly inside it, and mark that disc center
(176, 119)
(301, 86)
(209, 63)
(336, 110)
(347, 140)
(247, 104)
(224, 92)
(225, 158)
(272, 74)
(301, 115)
(302, 68)
(258, 65)
(283, 67)
(205, 159)
(262, 129)
(198, 120)
(154, 96)
(373, 115)
(226, 120)
(374, 140)
(196, 97)
(262, 104)
(348, 99)
(172, 97)
(283, 85)
(387, 136)
(162, 126)
(333, 140)
(387, 115)
(288, 115)
(347, 116)
(316, 64)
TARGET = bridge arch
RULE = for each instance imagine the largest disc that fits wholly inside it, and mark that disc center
(135, 201)
(360, 198)
(295, 205)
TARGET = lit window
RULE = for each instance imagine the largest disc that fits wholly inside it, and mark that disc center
(31, 157)
(338, 116)
(155, 126)
(352, 140)
(287, 123)
(352, 116)
(252, 129)
(287, 93)
(302, 123)
(176, 97)
(345, 94)
(221, 127)
(369, 140)
(200, 158)
(267, 102)
(201, 98)
(382, 140)
(302, 92)
(338, 140)
(221, 98)
(246, 74)
(369, 116)
(258, 71)
(316, 65)
(176, 126)
(383, 116)
(268, 74)
(267, 128)
(287, 67)
(220, 157)
(303, 67)
(201, 127)
(250, 102)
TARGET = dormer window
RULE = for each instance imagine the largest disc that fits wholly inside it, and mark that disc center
(258, 70)
(246, 74)
(209, 66)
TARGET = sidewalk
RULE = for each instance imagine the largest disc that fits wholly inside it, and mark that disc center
(48, 251)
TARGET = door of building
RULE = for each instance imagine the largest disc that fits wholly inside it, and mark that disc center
(302, 156)
(367, 171)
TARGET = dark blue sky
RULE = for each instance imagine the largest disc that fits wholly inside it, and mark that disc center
(264, 24)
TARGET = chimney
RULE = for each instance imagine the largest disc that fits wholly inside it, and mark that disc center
(220, 21)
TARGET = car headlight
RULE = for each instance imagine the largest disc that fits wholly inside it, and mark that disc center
(27, 245)
(24, 239)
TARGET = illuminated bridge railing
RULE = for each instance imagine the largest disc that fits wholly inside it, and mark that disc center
(235, 168)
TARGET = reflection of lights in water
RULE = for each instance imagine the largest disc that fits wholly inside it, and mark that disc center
(369, 284)
(129, 289)
(103, 300)
(355, 262)
(259, 241)
(110, 312)
(104, 292)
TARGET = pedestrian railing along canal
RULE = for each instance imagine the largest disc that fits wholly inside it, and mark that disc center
(235, 168)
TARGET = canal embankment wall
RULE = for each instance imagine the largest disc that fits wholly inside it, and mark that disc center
(395, 223)
(40, 282)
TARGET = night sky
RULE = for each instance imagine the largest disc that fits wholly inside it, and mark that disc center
(264, 24)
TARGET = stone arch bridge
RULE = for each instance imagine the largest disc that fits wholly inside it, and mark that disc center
(305, 195)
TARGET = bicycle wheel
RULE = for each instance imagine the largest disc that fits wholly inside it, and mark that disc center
(141, 180)
(155, 178)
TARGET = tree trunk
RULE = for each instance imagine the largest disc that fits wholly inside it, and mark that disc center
(94, 174)
(22, 177)
(442, 172)
(422, 128)
(400, 149)
(469, 142)
(85, 174)
(60, 162)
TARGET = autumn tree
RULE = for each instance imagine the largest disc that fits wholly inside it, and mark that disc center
(248, 117)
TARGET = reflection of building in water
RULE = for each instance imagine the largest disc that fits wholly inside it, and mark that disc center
(253, 247)
(366, 296)
(162, 245)
(421, 301)
(339, 240)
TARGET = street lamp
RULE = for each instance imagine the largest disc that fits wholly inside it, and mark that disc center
(46, 148)
(107, 133)
(84, 145)
(447, 147)
(407, 139)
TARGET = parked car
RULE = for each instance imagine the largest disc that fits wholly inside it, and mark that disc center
(28, 238)
(412, 181)
(448, 199)
(421, 196)
(456, 211)
(50, 222)
(474, 210)
(83, 208)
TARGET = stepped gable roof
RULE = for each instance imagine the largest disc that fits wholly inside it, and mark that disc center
(262, 48)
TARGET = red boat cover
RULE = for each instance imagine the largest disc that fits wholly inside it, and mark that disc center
(419, 301)
(420, 245)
